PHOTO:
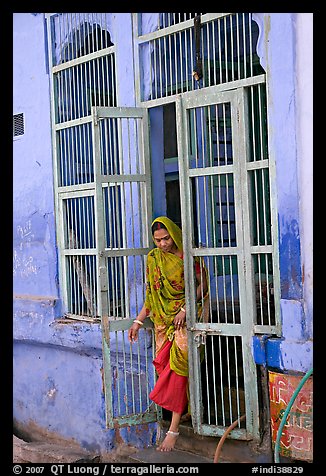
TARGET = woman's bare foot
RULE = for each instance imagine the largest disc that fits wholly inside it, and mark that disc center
(169, 441)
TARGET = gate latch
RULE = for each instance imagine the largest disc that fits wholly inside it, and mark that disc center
(103, 279)
(200, 338)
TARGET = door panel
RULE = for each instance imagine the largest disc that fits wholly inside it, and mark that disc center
(210, 148)
(124, 215)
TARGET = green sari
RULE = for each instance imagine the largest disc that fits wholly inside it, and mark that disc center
(165, 295)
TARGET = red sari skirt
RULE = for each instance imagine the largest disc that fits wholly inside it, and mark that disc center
(170, 391)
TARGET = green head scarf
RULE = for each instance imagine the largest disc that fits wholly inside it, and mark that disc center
(173, 229)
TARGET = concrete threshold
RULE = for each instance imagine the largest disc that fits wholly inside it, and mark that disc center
(151, 455)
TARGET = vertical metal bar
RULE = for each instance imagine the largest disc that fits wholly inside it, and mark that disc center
(112, 77)
(221, 380)
(260, 288)
(217, 134)
(186, 58)
(69, 284)
(224, 133)
(267, 291)
(62, 169)
(232, 48)
(231, 286)
(181, 62)
(83, 154)
(209, 81)
(250, 45)
(147, 382)
(228, 208)
(70, 80)
(59, 101)
(73, 153)
(74, 89)
(214, 51)
(238, 46)
(255, 172)
(228, 378)
(150, 43)
(191, 37)
(106, 77)
(216, 271)
(226, 52)
(214, 380)
(67, 226)
(65, 77)
(77, 245)
(132, 379)
(220, 210)
(160, 66)
(164, 39)
(126, 398)
(89, 154)
(219, 49)
(244, 46)
(210, 147)
(207, 386)
(251, 90)
(175, 63)
(224, 289)
(155, 73)
(139, 379)
(117, 375)
(75, 148)
(236, 366)
(201, 33)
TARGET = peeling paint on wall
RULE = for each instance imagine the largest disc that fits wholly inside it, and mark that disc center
(290, 262)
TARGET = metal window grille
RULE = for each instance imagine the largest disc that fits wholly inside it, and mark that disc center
(82, 58)
(168, 55)
(18, 125)
(262, 240)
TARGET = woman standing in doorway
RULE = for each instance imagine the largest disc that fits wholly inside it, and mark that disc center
(165, 306)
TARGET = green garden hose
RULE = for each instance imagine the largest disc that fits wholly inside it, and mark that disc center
(285, 415)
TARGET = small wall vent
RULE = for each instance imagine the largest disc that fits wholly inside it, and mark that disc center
(18, 125)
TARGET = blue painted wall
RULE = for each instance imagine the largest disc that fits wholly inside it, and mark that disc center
(58, 367)
(280, 45)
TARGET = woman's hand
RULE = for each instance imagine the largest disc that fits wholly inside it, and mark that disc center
(133, 332)
(179, 320)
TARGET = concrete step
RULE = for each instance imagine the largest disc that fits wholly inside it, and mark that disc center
(39, 452)
(151, 455)
(233, 451)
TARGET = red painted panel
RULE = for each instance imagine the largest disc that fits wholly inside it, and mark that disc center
(297, 434)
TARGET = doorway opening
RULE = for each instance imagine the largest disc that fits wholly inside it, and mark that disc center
(221, 376)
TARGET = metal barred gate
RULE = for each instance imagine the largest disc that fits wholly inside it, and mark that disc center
(124, 214)
(103, 204)
(220, 225)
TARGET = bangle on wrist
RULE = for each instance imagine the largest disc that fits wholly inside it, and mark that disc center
(139, 322)
(182, 309)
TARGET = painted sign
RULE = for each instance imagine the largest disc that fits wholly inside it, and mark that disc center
(297, 434)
